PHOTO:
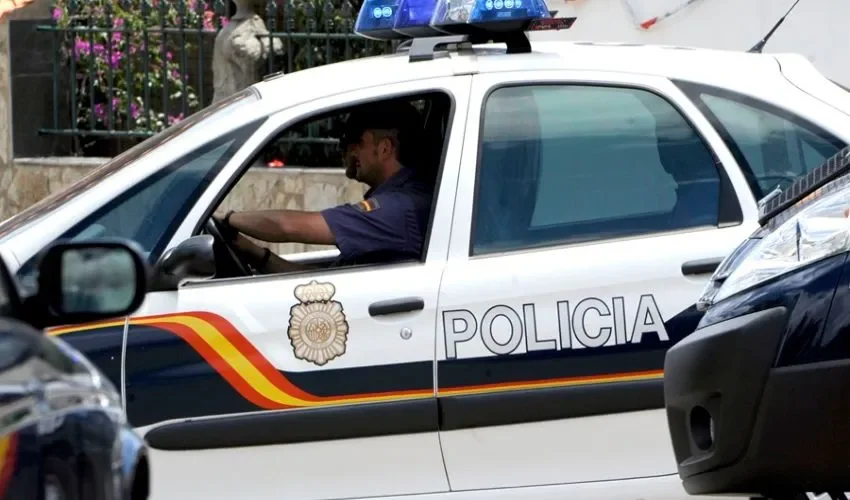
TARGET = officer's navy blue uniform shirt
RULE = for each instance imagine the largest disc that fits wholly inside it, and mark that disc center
(389, 224)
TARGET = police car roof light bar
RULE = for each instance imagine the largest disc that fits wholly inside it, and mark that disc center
(480, 17)
(483, 20)
(424, 49)
(413, 18)
(404, 46)
(376, 20)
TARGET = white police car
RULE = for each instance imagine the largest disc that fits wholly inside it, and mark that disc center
(585, 193)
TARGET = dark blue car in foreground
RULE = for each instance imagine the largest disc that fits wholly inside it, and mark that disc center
(758, 397)
(63, 432)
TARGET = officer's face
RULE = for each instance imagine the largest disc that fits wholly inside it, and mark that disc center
(365, 160)
(349, 161)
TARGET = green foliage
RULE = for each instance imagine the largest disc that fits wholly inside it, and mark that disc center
(128, 57)
(317, 32)
(121, 55)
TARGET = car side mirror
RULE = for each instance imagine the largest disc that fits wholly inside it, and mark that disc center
(79, 282)
(191, 260)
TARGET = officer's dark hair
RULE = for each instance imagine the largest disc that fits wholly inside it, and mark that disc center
(391, 134)
(395, 120)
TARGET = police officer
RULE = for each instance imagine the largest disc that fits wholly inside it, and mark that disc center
(388, 225)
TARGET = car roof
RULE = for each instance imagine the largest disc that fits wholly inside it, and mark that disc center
(688, 63)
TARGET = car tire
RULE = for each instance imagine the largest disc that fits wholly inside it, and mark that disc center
(60, 482)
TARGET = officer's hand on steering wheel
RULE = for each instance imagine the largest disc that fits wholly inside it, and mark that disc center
(228, 238)
(227, 231)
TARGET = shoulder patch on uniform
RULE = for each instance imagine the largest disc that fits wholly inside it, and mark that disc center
(368, 205)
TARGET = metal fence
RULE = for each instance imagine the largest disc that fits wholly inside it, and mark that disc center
(126, 69)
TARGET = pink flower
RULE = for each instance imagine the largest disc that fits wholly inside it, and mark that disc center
(116, 58)
(57, 13)
(174, 119)
(208, 20)
(83, 47)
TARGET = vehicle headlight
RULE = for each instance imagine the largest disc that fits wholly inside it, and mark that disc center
(818, 231)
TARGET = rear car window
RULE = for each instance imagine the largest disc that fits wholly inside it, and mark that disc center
(773, 146)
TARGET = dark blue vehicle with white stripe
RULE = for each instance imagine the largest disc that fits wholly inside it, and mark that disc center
(758, 396)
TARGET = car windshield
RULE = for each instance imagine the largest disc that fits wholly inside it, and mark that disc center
(58, 199)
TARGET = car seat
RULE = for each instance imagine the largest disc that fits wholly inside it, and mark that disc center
(508, 170)
(688, 160)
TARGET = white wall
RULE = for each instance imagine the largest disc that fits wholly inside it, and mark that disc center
(816, 28)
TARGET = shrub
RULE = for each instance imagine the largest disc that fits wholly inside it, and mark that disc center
(123, 53)
(127, 57)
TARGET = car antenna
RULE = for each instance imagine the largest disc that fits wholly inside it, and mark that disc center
(756, 49)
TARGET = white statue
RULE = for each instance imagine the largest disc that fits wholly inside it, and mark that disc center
(240, 51)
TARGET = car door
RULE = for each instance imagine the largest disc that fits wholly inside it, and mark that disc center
(591, 211)
(318, 384)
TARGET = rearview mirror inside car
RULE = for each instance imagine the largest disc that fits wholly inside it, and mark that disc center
(192, 259)
(87, 281)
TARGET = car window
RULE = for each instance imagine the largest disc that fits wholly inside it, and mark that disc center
(562, 163)
(210, 117)
(272, 183)
(771, 145)
(149, 213)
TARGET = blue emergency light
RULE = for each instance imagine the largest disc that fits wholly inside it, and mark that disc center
(487, 16)
(483, 20)
(376, 20)
(414, 18)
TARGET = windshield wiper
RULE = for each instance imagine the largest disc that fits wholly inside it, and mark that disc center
(769, 196)
(835, 166)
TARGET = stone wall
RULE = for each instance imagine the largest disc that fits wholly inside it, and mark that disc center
(5, 101)
(30, 179)
(24, 181)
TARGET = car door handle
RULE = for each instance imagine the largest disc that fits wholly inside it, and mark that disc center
(701, 266)
(395, 306)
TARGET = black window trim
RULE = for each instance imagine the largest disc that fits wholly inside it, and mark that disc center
(729, 211)
(692, 89)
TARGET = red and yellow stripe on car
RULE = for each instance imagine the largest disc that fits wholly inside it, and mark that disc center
(8, 460)
(242, 365)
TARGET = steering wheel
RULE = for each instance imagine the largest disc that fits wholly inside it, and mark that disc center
(213, 229)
